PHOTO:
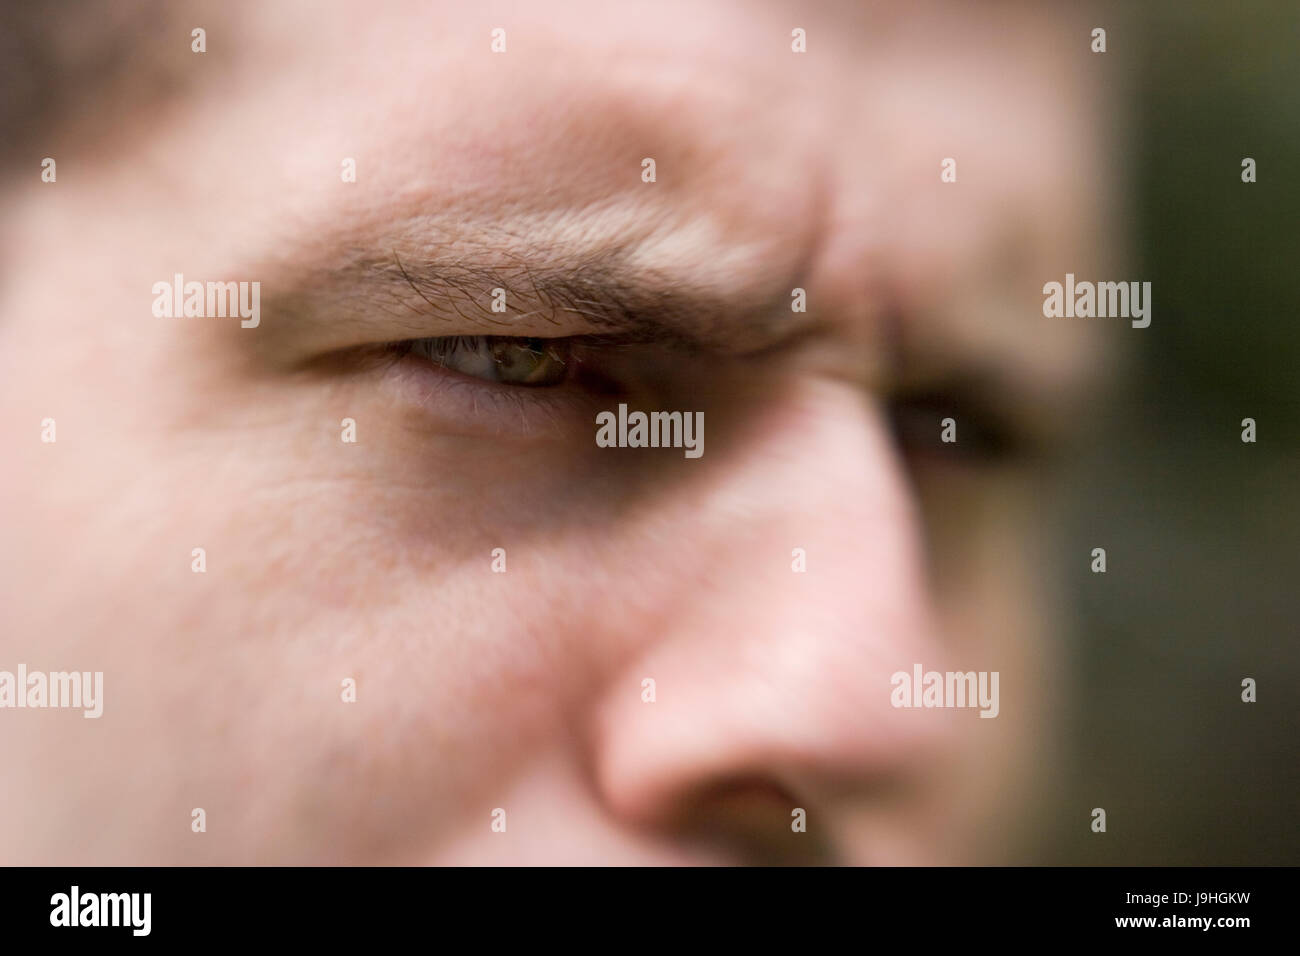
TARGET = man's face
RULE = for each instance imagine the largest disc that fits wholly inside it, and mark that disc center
(825, 539)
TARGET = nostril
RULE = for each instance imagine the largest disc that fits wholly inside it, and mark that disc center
(752, 821)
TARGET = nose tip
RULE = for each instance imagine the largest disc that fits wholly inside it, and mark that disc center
(786, 705)
(792, 711)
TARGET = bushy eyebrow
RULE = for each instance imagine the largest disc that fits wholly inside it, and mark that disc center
(412, 291)
(605, 298)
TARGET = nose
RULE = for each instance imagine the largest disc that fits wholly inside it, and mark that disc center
(771, 690)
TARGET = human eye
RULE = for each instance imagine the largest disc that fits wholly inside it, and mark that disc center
(956, 427)
(529, 385)
(504, 360)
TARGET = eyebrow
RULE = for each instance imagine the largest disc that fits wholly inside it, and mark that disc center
(405, 288)
(592, 291)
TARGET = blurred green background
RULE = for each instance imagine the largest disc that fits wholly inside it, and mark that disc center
(1201, 530)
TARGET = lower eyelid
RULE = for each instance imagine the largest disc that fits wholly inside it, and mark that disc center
(462, 404)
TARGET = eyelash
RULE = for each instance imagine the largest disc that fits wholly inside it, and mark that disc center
(494, 352)
(450, 344)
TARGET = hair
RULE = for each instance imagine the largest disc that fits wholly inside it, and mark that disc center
(84, 64)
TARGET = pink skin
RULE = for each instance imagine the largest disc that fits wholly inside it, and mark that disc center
(372, 561)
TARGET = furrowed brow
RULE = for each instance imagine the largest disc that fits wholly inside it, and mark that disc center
(407, 291)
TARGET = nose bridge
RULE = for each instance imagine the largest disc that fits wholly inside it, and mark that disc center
(779, 662)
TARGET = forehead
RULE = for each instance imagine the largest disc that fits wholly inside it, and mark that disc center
(583, 92)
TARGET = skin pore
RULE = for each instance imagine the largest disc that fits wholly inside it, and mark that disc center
(372, 560)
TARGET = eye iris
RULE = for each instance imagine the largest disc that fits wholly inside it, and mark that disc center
(527, 362)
